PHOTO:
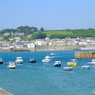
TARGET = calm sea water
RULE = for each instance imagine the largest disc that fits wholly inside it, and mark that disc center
(45, 79)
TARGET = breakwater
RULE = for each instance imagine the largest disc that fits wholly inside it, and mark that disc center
(85, 54)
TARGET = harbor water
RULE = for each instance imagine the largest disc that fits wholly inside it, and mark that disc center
(43, 78)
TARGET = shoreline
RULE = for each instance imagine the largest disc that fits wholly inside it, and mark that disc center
(49, 48)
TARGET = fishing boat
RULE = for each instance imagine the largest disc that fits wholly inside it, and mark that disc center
(1, 61)
(57, 63)
(19, 60)
(46, 60)
(73, 62)
(86, 66)
(32, 60)
(68, 68)
(92, 62)
(11, 65)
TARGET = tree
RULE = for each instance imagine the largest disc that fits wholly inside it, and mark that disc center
(39, 35)
(34, 29)
(41, 29)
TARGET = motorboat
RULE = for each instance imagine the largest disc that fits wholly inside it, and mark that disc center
(47, 56)
(86, 66)
(19, 60)
(68, 68)
(92, 62)
(73, 62)
(57, 63)
(32, 60)
(46, 60)
(1, 61)
(11, 65)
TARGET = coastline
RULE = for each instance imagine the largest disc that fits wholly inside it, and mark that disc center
(49, 48)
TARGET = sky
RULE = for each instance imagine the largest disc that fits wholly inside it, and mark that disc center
(49, 14)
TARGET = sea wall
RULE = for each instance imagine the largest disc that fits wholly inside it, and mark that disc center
(42, 48)
(84, 54)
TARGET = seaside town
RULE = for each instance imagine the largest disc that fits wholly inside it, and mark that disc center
(46, 44)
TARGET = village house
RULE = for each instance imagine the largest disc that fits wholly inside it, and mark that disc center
(5, 45)
(21, 45)
(40, 42)
(19, 34)
(1, 38)
(6, 34)
(29, 36)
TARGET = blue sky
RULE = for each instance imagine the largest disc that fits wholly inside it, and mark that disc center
(49, 14)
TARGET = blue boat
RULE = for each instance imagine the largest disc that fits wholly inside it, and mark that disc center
(86, 66)
(32, 60)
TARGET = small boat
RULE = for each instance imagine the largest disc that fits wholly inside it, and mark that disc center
(57, 63)
(86, 66)
(92, 62)
(32, 60)
(47, 57)
(1, 61)
(68, 68)
(11, 65)
(19, 60)
(46, 60)
(72, 63)
(53, 54)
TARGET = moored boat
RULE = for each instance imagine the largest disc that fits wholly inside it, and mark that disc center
(19, 60)
(47, 56)
(57, 63)
(86, 66)
(11, 65)
(68, 68)
(53, 54)
(1, 61)
(72, 63)
(32, 60)
(46, 60)
(92, 62)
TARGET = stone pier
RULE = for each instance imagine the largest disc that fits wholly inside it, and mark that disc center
(84, 54)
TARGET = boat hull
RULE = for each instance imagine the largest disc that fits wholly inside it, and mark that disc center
(72, 64)
(68, 68)
(11, 67)
(57, 65)
(1, 62)
(34, 61)
(85, 67)
(19, 62)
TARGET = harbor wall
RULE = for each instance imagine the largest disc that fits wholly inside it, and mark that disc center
(42, 48)
(84, 54)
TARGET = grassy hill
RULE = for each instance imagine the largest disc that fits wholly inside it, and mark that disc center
(57, 32)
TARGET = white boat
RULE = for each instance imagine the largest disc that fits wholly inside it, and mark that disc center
(73, 62)
(47, 57)
(53, 54)
(92, 62)
(19, 60)
(46, 60)
(68, 68)
(11, 65)
(1, 61)
(86, 66)
(57, 63)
